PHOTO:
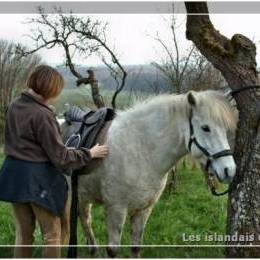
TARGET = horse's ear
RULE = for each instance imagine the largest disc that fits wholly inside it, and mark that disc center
(191, 99)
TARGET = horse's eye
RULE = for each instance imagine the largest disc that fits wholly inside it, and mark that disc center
(205, 128)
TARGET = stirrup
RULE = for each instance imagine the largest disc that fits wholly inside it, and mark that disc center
(72, 139)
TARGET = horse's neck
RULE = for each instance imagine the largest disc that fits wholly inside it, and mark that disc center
(162, 130)
(170, 145)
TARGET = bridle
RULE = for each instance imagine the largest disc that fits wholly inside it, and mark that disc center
(210, 157)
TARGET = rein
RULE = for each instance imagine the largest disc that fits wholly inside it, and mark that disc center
(211, 185)
(213, 191)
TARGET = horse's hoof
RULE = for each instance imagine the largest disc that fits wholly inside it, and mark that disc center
(136, 252)
(111, 252)
(93, 251)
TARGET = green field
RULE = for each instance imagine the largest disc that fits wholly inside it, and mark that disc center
(82, 97)
(190, 209)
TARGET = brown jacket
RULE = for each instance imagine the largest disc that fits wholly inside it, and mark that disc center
(32, 133)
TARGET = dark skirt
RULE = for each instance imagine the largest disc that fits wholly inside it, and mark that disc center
(37, 182)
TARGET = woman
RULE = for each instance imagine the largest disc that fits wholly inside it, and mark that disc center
(31, 177)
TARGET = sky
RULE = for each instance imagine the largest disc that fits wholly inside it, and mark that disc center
(132, 35)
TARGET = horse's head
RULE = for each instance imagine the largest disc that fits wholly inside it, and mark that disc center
(210, 118)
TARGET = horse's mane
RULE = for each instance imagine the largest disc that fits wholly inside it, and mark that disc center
(213, 104)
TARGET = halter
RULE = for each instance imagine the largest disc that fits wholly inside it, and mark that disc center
(219, 154)
(210, 157)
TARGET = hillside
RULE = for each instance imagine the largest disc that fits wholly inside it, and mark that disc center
(140, 78)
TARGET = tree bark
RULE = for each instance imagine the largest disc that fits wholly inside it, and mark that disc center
(235, 58)
(91, 79)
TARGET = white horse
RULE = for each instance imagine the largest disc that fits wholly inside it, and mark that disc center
(144, 143)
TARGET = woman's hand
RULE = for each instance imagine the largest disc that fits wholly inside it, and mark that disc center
(99, 151)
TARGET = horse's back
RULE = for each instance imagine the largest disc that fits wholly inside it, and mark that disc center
(120, 177)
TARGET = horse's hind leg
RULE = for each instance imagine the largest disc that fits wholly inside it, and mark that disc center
(115, 218)
(86, 221)
(138, 221)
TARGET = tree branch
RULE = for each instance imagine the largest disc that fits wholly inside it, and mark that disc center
(84, 35)
(235, 56)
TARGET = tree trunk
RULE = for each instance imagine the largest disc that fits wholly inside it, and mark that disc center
(91, 79)
(235, 59)
(97, 98)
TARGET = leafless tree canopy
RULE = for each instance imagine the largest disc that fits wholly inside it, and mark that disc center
(185, 69)
(202, 75)
(14, 70)
(81, 37)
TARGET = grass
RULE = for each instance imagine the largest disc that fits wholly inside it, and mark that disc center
(82, 97)
(189, 210)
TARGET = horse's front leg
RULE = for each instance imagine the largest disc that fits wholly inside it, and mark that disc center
(138, 221)
(115, 219)
(86, 222)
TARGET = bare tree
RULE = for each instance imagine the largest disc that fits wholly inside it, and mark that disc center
(155, 86)
(175, 63)
(185, 69)
(14, 71)
(202, 75)
(236, 59)
(77, 36)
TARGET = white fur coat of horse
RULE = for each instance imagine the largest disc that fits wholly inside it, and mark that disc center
(144, 143)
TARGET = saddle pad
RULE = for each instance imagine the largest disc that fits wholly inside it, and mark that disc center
(76, 114)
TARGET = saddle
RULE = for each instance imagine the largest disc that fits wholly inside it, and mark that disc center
(92, 121)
